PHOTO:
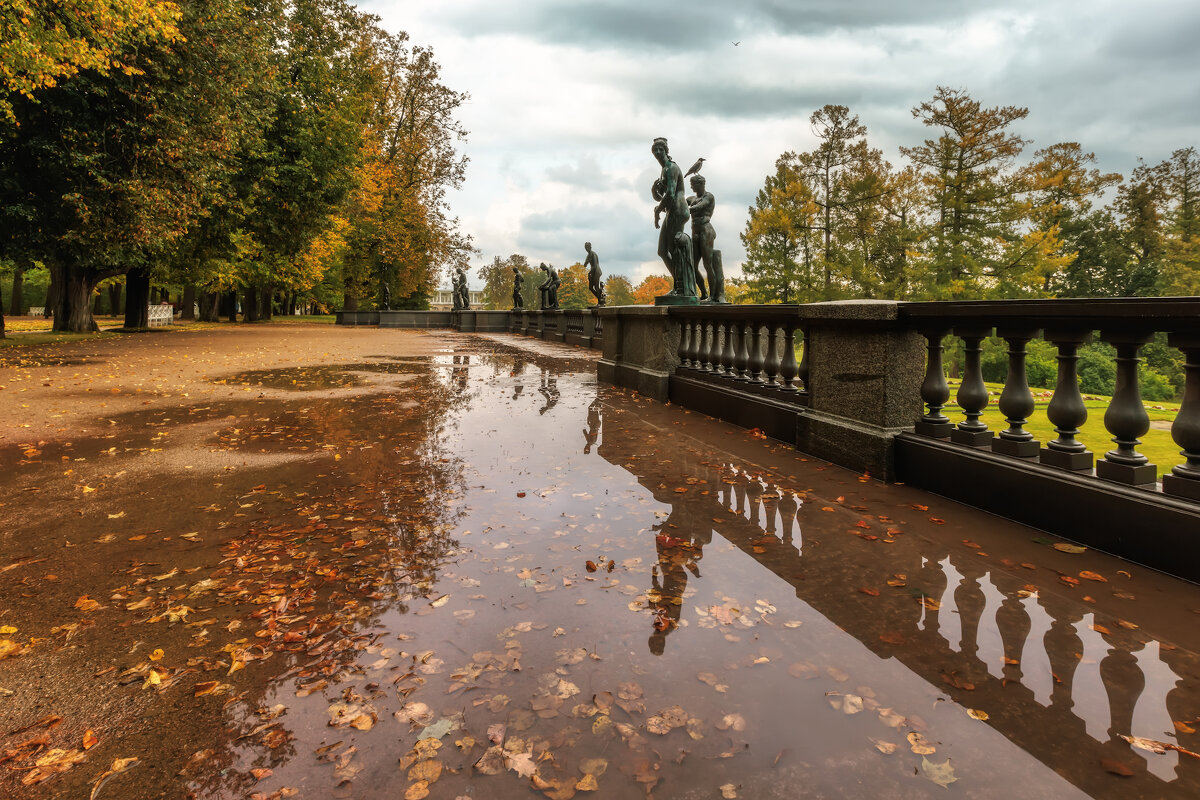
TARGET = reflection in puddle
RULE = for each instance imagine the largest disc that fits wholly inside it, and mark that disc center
(474, 590)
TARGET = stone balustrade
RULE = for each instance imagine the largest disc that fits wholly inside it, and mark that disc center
(862, 384)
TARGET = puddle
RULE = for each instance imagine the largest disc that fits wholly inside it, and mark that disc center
(501, 581)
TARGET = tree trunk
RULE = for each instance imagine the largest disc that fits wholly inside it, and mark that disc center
(16, 308)
(114, 298)
(1, 313)
(188, 303)
(228, 306)
(250, 305)
(291, 305)
(137, 299)
(96, 304)
(74, 311)
(210, 306)
(350, 302)
(54, 292)
(268, 303)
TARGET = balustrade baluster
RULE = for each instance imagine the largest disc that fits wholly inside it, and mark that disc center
(802, 369)
(788, 368)
(773, 361)
(756, 356)
(741, 367)
(1184, 480)
(718, 348)
(710, 346)
(1066, 409)
(1126, 418)
(685, 335)
(694, 344)
(728, 356)
(972, 395)
(1016, 401)
(935, 392)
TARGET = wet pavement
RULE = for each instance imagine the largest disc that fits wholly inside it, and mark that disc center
(322, 562)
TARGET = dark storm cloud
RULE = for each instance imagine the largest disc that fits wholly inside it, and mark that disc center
(638, 25)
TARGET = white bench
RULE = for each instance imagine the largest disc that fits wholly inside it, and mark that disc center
(160, 316)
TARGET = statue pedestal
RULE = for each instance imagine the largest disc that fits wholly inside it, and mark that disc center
(676, 300)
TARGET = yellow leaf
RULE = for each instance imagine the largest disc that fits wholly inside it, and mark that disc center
(1069, 548)
(157, 654)
(975, 713)
(7, 629)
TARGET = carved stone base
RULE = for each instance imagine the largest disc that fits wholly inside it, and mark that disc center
(1071, 461)
(972, 438)
(937, 430)
(1126, 473)
(1181, 487)
(1017, 449)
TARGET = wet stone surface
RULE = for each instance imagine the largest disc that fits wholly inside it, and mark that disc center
(382, 564)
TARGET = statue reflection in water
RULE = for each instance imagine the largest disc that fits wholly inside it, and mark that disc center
(460, 373)
(548, 390)
(680, 543)
(592, 433)
(518, 371)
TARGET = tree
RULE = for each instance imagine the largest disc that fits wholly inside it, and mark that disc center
(977, 210)
(106, 172)
(780, 239)
(839, 134)
(402, 232)
(618, 290)
(43, 43)
(1062, 181)
(497, 280)
(1181, 257)
(573, 291)
(652, 286)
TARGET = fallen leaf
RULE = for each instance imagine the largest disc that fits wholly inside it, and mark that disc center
(1068, 548)
(1093, 576)
(975, 713)
(887, 748)
(920, 745)
(1116, 767)
(941, 774)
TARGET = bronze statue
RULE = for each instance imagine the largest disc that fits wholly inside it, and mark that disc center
(668, 191)
(518, 301)
(685, 269)
(464, 294)
(701, 205)
(459, 296)
(549, 288)
(595, 285)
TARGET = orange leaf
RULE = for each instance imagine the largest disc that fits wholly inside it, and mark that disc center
(872, 592)
(1093, 576)
(89, 739)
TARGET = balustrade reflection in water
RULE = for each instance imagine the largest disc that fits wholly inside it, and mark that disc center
(1064, 680)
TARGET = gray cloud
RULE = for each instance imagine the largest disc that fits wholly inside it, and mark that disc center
(638, 25)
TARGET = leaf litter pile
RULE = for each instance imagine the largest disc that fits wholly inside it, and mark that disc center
(486, 580)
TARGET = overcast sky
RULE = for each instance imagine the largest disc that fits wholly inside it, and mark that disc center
(567, 95)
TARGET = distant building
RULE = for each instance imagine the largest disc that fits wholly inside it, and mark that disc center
(443, 299)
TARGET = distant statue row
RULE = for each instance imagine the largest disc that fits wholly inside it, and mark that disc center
(548, 289)
(682, 254)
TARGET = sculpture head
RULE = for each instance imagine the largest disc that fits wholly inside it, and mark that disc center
(660, 150)
(697, 183)
(543, 267)
(587, 246)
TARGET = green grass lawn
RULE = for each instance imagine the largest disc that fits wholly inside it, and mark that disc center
(1156, 444)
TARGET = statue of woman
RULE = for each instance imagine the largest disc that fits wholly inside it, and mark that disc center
(668, 191)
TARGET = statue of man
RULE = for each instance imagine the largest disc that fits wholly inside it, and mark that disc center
(592, 262)
(464, 294)
(701, 205)
(549, 288)
(518, 301)
(668, 191)
(455, 295)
